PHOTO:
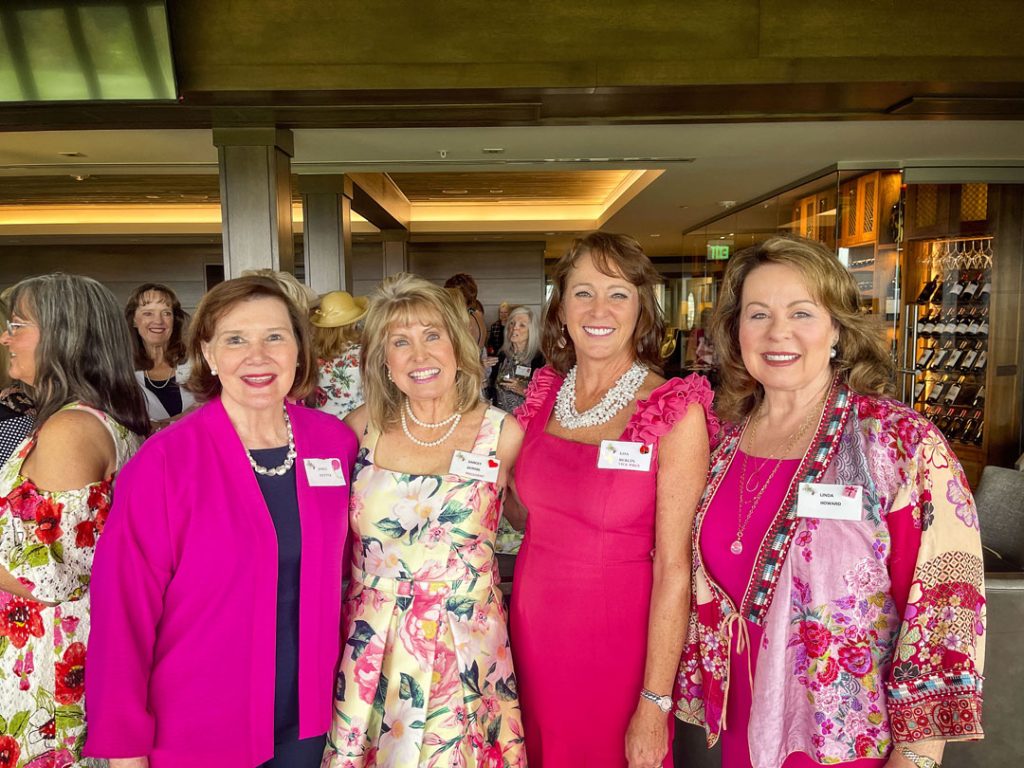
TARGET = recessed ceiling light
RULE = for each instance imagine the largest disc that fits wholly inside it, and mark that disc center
(492, 150)
(727, 203)
(152, 197)
(496, 191)
(70, 154)
(549, 234)
(732, 234)
(655, 234)
(80, 176)
(454, 191)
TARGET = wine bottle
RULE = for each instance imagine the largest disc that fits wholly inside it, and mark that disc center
(936, 393)
(979, 364)
(918, 390)
(929, 289)
(986, 290)
(940, 356)
(979, 433)
(954, 357)
(971, 288)
(979, 398)
(963, 321)
(969, 359)
(953, 391)
(924, 357)
(963, 434)
(975, 323)
(953, 286)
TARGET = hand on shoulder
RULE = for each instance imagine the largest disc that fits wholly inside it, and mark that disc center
(73, 449)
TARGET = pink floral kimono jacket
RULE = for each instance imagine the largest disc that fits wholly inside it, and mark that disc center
(835, 648)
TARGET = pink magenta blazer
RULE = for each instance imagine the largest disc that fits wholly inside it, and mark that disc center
(184, 598)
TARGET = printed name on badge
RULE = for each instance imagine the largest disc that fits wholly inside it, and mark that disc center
(475, 466)
(324, 472)
(830, 502)
(621, 454)
(523, 371)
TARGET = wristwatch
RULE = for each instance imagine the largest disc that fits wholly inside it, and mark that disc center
(921, 761)
(664, 702)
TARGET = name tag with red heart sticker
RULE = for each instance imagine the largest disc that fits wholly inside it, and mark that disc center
(622, 454)
(474, 466)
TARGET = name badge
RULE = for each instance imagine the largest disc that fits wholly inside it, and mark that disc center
(523, 371)
(324, 472)
(619, 454)
(830, 502)
(474, 466)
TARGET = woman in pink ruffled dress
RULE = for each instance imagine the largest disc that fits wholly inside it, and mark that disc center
(612, 466)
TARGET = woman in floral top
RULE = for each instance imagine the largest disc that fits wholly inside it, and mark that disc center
(838, 610)
(336, 344)
(426, 676)
(55, 492)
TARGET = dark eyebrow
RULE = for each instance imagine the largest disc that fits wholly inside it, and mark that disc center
(812, 302)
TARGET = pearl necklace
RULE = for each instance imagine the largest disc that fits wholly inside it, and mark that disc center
(455, 418)
(289, 459)
(154, 385)
(615, 399)
(427, 424)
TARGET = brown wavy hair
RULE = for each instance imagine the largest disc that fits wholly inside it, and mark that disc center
(862, 357)
(615, 256)
(176, 351)
(218, 302)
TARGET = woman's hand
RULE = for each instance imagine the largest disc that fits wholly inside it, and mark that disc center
(515, 386)
(129, 762)
(646, 737)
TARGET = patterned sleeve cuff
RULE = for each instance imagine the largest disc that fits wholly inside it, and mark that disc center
(937, 707)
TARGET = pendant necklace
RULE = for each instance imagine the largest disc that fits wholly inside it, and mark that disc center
(743, 519)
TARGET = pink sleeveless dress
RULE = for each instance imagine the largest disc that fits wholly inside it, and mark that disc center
(582, 585)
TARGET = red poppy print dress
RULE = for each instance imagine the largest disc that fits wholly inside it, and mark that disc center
(47, 541)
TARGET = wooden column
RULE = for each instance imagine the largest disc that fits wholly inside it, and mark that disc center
(256, 202)
(327, 231)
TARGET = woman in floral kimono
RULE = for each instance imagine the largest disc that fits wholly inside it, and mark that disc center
(69, 345)
(426, 676)
(838, 609)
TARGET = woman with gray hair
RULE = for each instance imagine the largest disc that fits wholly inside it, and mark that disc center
(519, 357)
(69, 344)
(425, 675)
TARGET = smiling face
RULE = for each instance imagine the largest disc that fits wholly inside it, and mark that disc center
(600, 313)
(785, 335)
(154, 319)
(22, 346)
(518, 330)
(254, 351)
(421, 357)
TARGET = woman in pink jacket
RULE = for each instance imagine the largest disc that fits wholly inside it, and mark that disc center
(217, 586)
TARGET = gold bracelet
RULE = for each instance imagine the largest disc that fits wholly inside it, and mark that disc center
(921, 761)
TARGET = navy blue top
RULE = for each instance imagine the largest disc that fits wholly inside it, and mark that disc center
(167, 392)
(283, 503)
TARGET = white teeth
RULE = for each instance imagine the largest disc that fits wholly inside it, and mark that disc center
(780, 358)
(598, 331)
(425, 374)
(258, 379)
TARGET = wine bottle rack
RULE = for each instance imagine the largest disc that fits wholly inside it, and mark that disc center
(949, 332)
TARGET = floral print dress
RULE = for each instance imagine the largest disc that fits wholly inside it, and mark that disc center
(47, 541)
(339, 389)
(426, 676)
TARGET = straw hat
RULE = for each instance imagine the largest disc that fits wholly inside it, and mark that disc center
(339, 308)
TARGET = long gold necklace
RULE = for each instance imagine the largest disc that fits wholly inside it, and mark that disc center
(743, 519)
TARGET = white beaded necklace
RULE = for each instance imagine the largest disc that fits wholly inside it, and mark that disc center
(455, 418)
(289, 457)
(615, 399)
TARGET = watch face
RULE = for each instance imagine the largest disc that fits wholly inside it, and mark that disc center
(665, 703)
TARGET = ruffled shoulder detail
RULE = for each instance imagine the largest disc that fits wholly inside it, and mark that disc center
(543, 381)
(667, 404)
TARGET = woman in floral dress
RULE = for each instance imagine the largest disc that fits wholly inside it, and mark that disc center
(55, 493)
(336, 344)
(426, 676)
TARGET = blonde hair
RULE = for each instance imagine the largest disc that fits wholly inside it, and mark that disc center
(302, 296)
(332, 342)
(401, 299)
(862, 357)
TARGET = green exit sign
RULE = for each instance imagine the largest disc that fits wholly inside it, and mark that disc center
(718, 251)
